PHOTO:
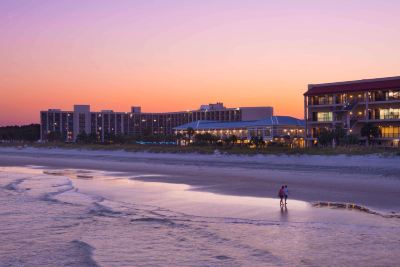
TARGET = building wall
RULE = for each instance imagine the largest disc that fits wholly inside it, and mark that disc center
(81, 120)
(256, 113)
(57, 121)
(134, 123)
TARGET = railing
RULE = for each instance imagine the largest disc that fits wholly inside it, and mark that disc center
(323, 102)
(391, 116)
(385, 117)
(390, 135)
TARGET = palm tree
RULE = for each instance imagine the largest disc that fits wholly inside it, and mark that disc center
(190, 132)
(234, 139)
(179, 136)
(82, 137)
(370, 131)
(257, 141)
(54, 137)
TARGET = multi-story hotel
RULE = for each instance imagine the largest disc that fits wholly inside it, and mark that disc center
(107, 122)
(352, 104)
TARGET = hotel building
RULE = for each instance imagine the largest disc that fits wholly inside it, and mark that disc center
(352, 104)
(135, 123)
(277, 129)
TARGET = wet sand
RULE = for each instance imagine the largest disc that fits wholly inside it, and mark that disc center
(51, 217)
(370, 181)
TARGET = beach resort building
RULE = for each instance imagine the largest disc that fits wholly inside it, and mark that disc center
(351, 105)
(273, 129)
(104, 123)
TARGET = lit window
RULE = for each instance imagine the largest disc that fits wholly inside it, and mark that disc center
(324, 116)
(389, 113)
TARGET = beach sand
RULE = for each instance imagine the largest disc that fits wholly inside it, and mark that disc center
(113, 208)
(372, 181)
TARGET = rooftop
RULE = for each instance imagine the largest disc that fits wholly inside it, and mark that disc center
(354, 86)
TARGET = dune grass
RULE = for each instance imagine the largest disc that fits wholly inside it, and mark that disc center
(209, 149)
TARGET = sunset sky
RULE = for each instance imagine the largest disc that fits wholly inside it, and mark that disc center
(167, 55)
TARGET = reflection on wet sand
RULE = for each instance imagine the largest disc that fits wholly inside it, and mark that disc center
(113, 220)
(284, 213)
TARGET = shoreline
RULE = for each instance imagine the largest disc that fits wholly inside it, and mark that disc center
(370, 181)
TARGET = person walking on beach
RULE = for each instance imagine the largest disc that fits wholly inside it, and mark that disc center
(286, 193)
(281, 194)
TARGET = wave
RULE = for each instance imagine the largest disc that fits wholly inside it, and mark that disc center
(14, 186)
(164, 221)
(50, 196)
(87, 253)
(352, 206)
(101, 210)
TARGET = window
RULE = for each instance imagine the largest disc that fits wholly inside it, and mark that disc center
(324, 116)
(390, 132)
(322, 100)
(393, 95)
(389, 113)
(82, 122)
(328, 100)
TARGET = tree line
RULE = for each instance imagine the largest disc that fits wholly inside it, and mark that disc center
(340, 136)
(28, 133)
(110, 138)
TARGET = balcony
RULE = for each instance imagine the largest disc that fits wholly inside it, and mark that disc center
(381, 101)
(385, 118)
(325, 104)
(312, 122)
(382, 120)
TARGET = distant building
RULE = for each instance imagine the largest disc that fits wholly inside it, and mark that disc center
(107, 122)
(273, 129)
(352, 104)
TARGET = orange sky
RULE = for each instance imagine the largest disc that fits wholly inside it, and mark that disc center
(176, 55)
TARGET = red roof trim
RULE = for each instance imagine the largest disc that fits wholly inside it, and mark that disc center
(354, 86)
